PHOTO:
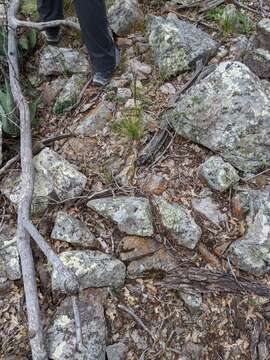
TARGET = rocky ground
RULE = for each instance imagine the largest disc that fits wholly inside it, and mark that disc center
(133, 222)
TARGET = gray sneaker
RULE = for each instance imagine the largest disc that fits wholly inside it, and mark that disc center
(52, 39)
(103, 78)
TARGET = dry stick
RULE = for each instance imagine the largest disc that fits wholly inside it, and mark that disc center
(23, 239)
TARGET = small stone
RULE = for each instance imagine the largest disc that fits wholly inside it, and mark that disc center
(124, 93)
(179, 223)
(240, 46)
(57, 61)
(124, 15)
(133, 247)
(132, 214)
(167, 89)
(66, 180)
(141, 48)
(93, 269)
(141, 69)
(96, 120)
(161, 261)
(61, 336)
(117, 351)
(206, 207)
(259, 62)
(2, 14)
(218, 174)
(10, 268)
(51, 90)
(131, 104)
(1, 142)
(68, 228)
(263, 34)
(192, 301)
(155, 184)
(69, 94)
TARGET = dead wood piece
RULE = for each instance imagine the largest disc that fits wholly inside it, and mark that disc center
(207, 256)
(205, 281)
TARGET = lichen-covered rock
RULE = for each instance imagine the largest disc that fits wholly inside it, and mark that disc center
(192, 301)
(117, 351)
(96, 120)
(161, 261)
(68, 228)
(259, 62)
(61, 336)
(64, 177)
(218, 174)
(178, 222)
(229, 113)
(132, 214)
(177, 45)
(124, 15)
(92, 268)
(1, 141)
(263, 34)
(55, 61)
(252, 252)
(134, 247)
(10, 268)
(69, 94)
(208, 208)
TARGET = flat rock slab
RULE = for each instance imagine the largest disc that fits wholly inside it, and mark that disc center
(177, 45)
(93, 269)
(124, 15)
(65, 178)
(96, 121)
(161, 261)
(70, 93)
(134, 247)
(61, 337)
(10, 268)
(208, 208)
(218, 174)
(132, 214)
(179, 223)
(228, 112)
(57, 61)
(252, 252)
(68, 228)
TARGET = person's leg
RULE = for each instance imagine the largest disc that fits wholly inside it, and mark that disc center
(51, 10)
(93, 20)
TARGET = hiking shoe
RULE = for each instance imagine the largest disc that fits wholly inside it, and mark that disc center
(103, 78)
(52, 39)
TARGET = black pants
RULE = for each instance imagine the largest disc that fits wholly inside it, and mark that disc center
(93, 21)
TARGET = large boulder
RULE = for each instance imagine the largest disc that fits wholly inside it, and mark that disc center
(179, 223)
(55, 61)
(252, 252)
(124, 15)
(61, 335)
(132, 214)
(229, 113)
(177, 45)
(92, 268)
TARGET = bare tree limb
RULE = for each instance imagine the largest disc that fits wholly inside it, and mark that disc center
(44, 25)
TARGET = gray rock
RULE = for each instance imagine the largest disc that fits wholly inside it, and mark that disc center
(252, 252)
(178, 222)
(132, 214)
(240, 46)
(69, 94)
(263, 34)
(124, 93)
(92, 268)
(10, 268)
(96, 121)
(218, 174)
(142, 70)
(259, 62)
(161, 261)
(229, 113)
(177, 45)
(61, 337)
(124, 15)
(117, 351)
(56, 61)
(1, 142)
(64, 177)
(68, 228)
(167, 89)
(208, 208)
(2, 14)
(192, 301)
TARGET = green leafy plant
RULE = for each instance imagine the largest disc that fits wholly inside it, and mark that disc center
(28, 40)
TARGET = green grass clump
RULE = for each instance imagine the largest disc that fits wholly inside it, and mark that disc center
(130, 126)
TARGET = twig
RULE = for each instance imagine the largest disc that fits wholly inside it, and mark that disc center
(254, 176)
(137, 319)
(239, 5)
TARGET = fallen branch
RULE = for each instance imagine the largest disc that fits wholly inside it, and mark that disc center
(204, 281)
